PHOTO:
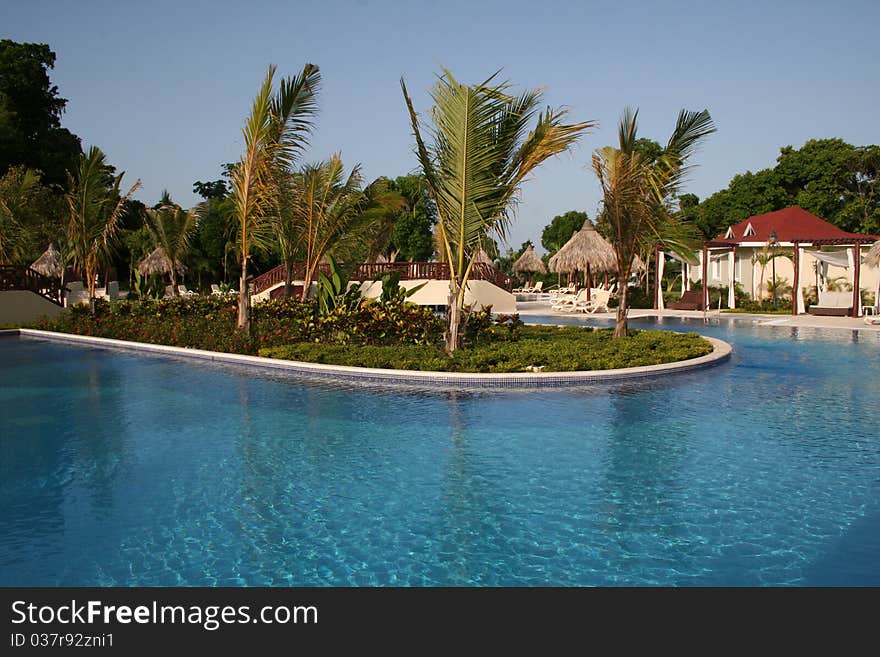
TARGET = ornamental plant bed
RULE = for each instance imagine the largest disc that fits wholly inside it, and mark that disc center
(533, 348)
(380, 334)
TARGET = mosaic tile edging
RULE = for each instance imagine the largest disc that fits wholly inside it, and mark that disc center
(721, 352)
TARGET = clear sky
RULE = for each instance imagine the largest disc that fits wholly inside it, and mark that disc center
(164, 87)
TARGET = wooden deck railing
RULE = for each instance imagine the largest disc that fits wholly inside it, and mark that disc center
(22, 277)
(369, 271)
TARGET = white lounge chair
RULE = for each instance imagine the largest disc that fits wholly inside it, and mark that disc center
(184, 292)
(568, 302)
(598, 302)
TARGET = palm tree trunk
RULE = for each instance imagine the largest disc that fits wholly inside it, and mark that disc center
(288, 279)
(453, 321)
(621, 327)
(244, 317)
(174, 291)
(307, 283)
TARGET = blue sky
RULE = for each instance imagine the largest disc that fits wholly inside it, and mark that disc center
(164, 87)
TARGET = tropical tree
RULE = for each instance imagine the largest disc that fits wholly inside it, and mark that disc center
(325, 204)
(482, 153)
(172, 227)
(16, 189)
(94, 208)
(638, 193)
(561, 228)
(275, 134)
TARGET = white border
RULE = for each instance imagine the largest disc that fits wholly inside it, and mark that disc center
(721, 352)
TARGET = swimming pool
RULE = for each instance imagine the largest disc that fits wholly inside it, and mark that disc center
(124, 469)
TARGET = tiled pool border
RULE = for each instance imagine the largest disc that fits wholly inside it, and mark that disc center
(721, 352)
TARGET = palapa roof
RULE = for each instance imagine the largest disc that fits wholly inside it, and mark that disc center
(483, 258)
(529, 261)
(49, 264)
(157, 263)
(586, 247)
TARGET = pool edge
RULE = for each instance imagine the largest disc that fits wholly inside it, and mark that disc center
(721, 352)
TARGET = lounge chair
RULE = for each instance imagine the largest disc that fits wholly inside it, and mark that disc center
(184, 292)
(690, 300)
(215, 290)
(833, 304)
(598, 302)
(568, 302)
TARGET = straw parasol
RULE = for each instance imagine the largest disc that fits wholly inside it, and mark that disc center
(158, 263)
(482, 258)
(586, 250)
(872, 259)
(49, 264)
(529, 261)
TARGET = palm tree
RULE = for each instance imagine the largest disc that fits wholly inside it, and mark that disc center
(172, 227)
(482, 152)
(94, 207)
(325, 205)
(275, 134)
(638, 194)
(16, 190)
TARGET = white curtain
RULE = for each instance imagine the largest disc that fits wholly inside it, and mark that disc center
(731, 278)
(799, 293)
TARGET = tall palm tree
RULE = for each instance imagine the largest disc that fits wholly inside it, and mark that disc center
(482, 153)
(275, 134)
(325, 205)
(94, 208)
(639, 192)
(172, 227)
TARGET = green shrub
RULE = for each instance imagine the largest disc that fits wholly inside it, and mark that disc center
(543, 348)
(209, 322)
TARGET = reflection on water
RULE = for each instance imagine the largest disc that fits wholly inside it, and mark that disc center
(124, 469)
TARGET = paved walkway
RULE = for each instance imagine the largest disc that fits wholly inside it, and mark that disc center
(810, 321)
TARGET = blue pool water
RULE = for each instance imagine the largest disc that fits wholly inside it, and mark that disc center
(123, 469)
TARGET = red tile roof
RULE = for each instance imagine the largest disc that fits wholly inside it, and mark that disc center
(790, 224)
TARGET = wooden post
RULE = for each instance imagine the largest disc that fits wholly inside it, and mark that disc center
(705, 277)
(605, 283)
(857, 293)
(589, 281)
(797, 281)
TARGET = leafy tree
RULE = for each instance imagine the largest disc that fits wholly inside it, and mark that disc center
(94, 209)
(828, 177)
(482, 152)
(412, 235)
(30, 215)
(561, 228)
(30, 113)
(215, 189)
(638, 193)
(172, 227)
(274, 135)
(382, 208)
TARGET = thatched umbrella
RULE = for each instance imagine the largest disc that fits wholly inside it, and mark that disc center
(158, 263)
(49, 264)
(529, 261)
(586, 251)
(482, 258)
